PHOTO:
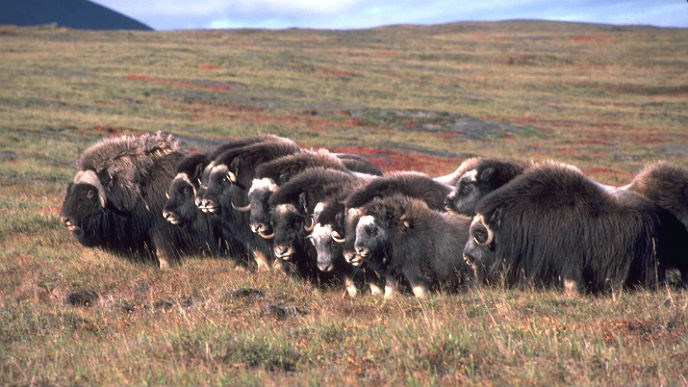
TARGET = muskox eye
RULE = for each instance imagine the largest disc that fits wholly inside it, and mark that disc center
(480, 236)
(90, 194)
(185, 190)
(465, 189)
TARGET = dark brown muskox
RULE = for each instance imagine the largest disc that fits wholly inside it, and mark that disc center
(482, 176)
(224, 193)
(402, 239)
(271, 175)
(203, 233)
(413, 184)
(115, 199)
(293, 206)
(554, 227)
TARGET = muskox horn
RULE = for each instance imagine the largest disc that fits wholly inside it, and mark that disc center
(337, 237)
(266, 236)
(309, 227)
(231, 176)
(90, 177)
(245, 208)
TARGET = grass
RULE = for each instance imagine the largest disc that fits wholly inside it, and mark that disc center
(608, 99)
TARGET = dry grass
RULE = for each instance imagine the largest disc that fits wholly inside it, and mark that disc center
(608, 99)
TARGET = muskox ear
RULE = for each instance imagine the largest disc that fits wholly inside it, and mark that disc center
(495, 218)
(303, 201)
(122, 193)
(405, 221)
(486, 174)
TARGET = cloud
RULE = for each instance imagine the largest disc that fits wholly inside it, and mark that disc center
(344, 14)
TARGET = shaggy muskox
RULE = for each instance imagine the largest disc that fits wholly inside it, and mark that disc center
(115, 199)
(554, 227)
(271, 175)
(480, 177)
(225, 192)
(666, 185)
(401, 238)
(293, 206)
(203, 233)
(413, 184)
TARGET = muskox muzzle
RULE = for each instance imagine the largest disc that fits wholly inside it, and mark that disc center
(283, 252)
(171, 217)
(69, 223)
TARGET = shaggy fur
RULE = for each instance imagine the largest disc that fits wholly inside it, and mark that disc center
(484, 176)
(116, 198)
(554, 227)
(292, 207)
(226, 182)
(401, 238)
(203, 233)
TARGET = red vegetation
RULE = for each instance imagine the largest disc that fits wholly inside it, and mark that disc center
(389, 160)
(179, 83)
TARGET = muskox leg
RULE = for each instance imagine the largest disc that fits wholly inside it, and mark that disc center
(351, 289)
(163, 261)
(570, 288)
(391, 287)
(419, 290)
(261, 260)
(375, 289)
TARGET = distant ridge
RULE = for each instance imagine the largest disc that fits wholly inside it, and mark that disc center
(78, 14)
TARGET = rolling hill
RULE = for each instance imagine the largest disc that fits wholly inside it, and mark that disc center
(78, 14)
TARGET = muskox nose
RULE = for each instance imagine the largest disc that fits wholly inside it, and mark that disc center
(69, 223)
(282, 251)
(170, 216)
(258, 227)
(362, 251)
(325, 267)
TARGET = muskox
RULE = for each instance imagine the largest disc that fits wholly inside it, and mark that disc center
(115, 199)
(413, 184)
(666, 185)
(480, 177)
(401, 238)
(224, 192)
(554, 227)
(203, 233)
(271, 175)
(293, 206)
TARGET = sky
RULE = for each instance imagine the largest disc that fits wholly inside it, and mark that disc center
(355, 14)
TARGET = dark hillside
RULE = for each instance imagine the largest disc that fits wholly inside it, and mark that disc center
(79, 14)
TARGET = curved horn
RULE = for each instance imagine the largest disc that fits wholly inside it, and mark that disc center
(89, 177)
(245, 208)
(309, 227)
(231, 176)
(337, 237)
(266, 236)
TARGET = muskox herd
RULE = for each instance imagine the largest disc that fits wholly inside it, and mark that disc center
(336, 220)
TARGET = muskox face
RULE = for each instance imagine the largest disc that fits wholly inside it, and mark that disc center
(216, 188)
(466, 193)
(479, 251)
(258, 197)
(350, 222)
(180, 206)
(291, 227)
(82, 205)
(327, 236)
(372, 236)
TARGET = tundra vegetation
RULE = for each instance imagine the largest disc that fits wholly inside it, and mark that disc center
(607, 99)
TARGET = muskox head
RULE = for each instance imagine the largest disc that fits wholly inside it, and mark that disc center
(474, 184)
(291, 226)
(180, 206)
(85, 201)
(328, 234)
(215, 191)
(372, 236)
(259, 207)
(351, 217)
(479, 251)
